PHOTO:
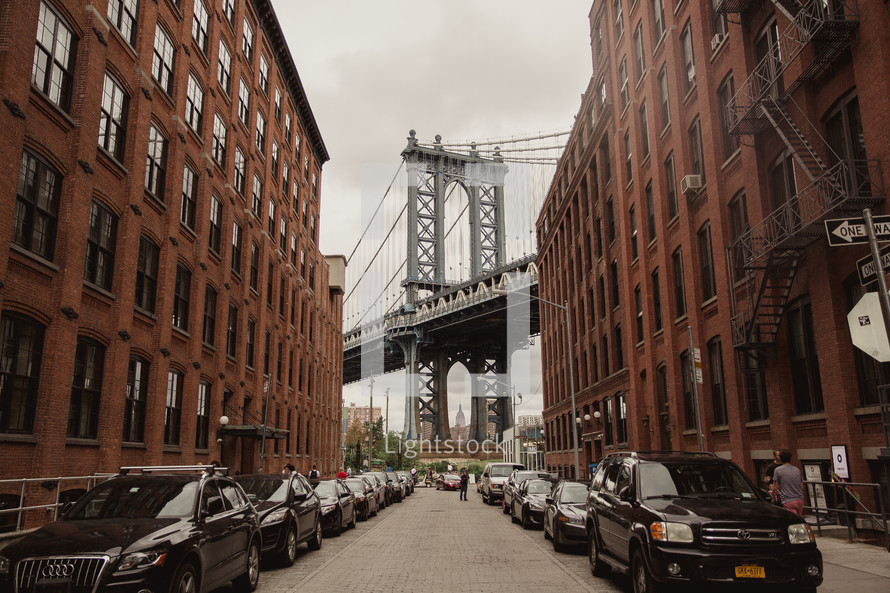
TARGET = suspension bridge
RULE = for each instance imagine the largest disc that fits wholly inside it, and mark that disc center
(444, 273)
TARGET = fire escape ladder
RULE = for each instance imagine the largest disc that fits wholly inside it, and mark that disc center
(789, 8)
(772, 297)
(801, 149)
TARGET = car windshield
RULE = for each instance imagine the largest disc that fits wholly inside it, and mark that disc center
(326, 489)
(522, 476)
(501, 471)
(539, 487)
(451, 478)
(573, 493)
(143, 499)
(356, 485)
(262, 489)
(702, 480)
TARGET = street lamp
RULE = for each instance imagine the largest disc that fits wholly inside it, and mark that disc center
(565, 310)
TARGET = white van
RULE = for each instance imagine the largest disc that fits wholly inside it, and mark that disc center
(493, 477)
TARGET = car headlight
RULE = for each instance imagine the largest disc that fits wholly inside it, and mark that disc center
(671, 532)
(360, 498)
(4, 565)
(142, 560)
(275, 516)
(327, 508)
(571, 520)
(800, 533)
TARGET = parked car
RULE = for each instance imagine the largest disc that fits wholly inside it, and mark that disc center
(396, 488)
(337, 506)
(511, 485)
(379, 488)
(387, 488)
(448, 482)
(409, 481)
(289, 512)
(528, 504)
(669, 518)
(564, 515)
(365, 497)
(493, 477)
(164, 528)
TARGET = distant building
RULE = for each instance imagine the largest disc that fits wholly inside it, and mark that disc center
(360, 414)
(461, 430)
(530, 420)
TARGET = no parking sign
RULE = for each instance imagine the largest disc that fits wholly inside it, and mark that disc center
(839, 461)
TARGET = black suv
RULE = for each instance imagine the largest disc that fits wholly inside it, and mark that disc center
(193, 530)
(693, 518)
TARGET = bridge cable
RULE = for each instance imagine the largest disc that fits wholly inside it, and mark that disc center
(376, 210)
(379, 249)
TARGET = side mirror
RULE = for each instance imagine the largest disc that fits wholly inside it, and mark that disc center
(300, 496)
(65, 508)
(548, 500)
(626, 494)
(345, 494)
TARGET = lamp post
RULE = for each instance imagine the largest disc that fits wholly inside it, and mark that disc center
(223, 421)
(568, 319)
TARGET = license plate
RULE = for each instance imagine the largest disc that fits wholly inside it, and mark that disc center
(53, 586)
(750, 571)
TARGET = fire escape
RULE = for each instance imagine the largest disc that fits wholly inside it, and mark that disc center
(768, 253)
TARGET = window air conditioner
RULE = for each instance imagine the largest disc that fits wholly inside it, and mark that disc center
(690, 184)
(690, 73)
(717, 41)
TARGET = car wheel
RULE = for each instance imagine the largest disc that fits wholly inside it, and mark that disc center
(249, 580)
(504, 506)
(557, 540)
(338, 524)
(546, 533)
(513, 518)
(597, 567)
(526, 522)
(315, 542)
(289, 553)
(352, 523)
(186, 580)
(641, 577)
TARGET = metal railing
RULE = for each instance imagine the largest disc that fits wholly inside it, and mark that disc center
(846, 496)
(45, 493)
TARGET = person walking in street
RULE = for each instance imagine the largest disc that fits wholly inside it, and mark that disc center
(314, 474)
(464, 481)
(775, 497)
(789, 483)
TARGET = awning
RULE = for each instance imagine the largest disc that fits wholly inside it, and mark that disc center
(254, 431)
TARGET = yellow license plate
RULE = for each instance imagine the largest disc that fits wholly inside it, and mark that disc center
(749, 571)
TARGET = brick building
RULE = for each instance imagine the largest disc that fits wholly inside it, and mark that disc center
(709, 147)
(160, 174)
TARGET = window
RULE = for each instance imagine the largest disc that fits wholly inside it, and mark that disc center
(113, 117)
(282, 234)
(638, 300)
(134, 406)
(83, 413)
(768, 52)
(656, 301)
(20, 362)
(718, 389)
(266, 353)
(285, 178)
(247, 41)
(173, 407)
(619, 348)
(214, 234)
(718, 19)
(163, 60)
(605, 159)
(602, 291)
(639, 54)
(657, 19)
(260, 132)
(695, 149)
(783, 187)
(679, 282)
(608, 438)
(598, 236)
(220, 132)
(147, 275)
(123, 14)
(208, 333)
(232, 331)
(156, 162)
(312, 235)
(598, 41)
(634, 250)
(619, 20)
(311, 286)
(238, 175)
(755, 385)
(738, 226)
(249, 343)
(277, 105)
(670, 179)
(202, 427)
(236, 248)
(269, 284)
(199, 26)
(803, 359)
(244, 103)
(293, 306)
(843, 132)
(613, 273)
(100, 246)
(650, 212)
(688, 75)
(254, 265)
(37, 207)
(622, 74)
(181, 295)
(274, 160)
(664, 95)
(54, 55)
(189, 197)
(601, 97)
(605, 347)
(724, 95)
(257, 201)
(224, 69)
(264, 74)
(706, 262)
(282, 287)
(621, 424)
(610, 214)
(287, 128)
(303, 264)
(228, 7)
(688, 398)
(194, 104)
(628, 157)
(644, 130)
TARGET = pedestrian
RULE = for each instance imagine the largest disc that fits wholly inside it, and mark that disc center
(464, 481)
(349, 472)
(789, 482)
(314, 475)
(414, 474)
(288, 468)
(341, 475)
(775, 497)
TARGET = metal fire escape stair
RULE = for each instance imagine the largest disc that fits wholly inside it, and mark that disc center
(758, 328)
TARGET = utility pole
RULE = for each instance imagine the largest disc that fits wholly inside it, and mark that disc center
(387, 411)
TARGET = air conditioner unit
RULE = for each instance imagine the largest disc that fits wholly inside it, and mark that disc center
(717, 41)
(690, 73)
(690, 184)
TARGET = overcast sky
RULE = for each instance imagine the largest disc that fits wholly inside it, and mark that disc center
(465, 69)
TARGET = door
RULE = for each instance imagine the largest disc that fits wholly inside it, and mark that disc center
(605, 507)
(622, 515)
(216, 546)
(240, 515)
(305, 507)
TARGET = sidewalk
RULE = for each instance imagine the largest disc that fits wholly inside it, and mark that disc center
(863, 568)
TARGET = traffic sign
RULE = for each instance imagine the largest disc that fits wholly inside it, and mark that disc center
(696, 357)
(867, 327)
(866, 266)
(851, 231)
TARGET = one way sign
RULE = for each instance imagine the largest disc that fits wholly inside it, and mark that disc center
(851, 231)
